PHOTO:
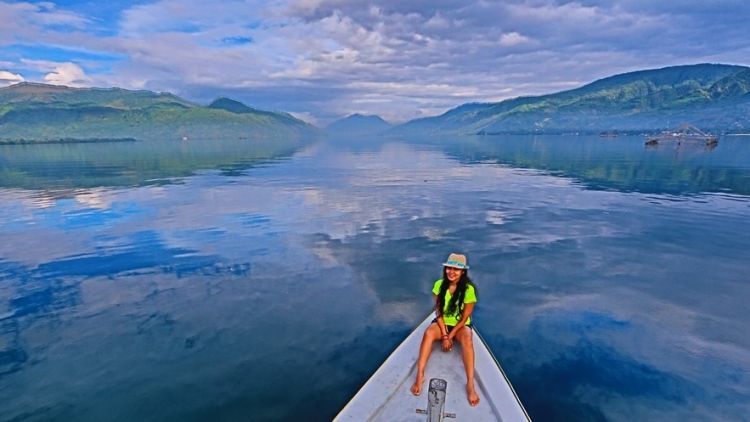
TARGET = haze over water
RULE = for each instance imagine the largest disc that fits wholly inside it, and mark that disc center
(217, 280)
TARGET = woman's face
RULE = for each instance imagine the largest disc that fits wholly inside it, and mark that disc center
(453, 274)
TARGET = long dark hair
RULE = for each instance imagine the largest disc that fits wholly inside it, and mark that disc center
(456, 304)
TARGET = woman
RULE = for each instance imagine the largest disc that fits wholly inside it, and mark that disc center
(455, 297)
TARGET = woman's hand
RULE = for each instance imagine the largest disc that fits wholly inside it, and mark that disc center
(447, 344)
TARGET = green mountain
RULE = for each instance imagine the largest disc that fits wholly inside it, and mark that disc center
(711, 96)
(38, 112)
(358, 124)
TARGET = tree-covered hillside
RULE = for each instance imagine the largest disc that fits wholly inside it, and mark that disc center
(712, 96)
(37, 112)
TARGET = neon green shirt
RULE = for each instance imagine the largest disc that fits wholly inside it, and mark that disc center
(469, 297)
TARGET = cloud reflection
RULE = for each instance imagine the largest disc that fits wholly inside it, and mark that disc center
(605, 297)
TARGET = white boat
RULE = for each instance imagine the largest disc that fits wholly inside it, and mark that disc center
(386, 396)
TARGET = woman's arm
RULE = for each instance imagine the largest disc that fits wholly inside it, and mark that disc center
(468, 309)
(443, 329)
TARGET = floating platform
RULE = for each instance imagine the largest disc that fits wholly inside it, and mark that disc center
(686, 133)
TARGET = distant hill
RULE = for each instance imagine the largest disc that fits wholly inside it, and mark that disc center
(711, 96)
(27, 93)
(39, 112)
(234, 106)
(358, 124)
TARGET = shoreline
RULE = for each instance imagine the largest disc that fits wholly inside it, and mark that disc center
(65, 141)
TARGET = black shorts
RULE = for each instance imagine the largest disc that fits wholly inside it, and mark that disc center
(451, 327)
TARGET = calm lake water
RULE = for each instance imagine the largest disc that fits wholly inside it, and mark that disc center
(230, 280)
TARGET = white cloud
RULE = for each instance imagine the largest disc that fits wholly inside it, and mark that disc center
(306, 117)
(48, 14)
(438, 22)
(25, 20)
(69, 74)
(512, 38)
(59, 73)
(8, 78)
(402, 58)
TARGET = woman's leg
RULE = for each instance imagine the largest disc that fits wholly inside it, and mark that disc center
(464, 338)
(431, 335)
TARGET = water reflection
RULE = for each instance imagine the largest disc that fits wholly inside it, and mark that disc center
(622, 164)
(284, 286)
(70, 166)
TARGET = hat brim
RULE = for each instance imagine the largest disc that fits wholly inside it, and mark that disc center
(456, 265)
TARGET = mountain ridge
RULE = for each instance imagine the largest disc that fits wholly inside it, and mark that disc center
(40, 112)
(711, 96)
(358, 124)
(714, 96)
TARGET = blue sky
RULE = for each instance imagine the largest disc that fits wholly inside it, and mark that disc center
(323, 59)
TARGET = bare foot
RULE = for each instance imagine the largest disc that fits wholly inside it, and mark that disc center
(472, 395)
(416, 389)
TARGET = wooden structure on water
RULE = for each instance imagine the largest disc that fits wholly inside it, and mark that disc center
(686, 133)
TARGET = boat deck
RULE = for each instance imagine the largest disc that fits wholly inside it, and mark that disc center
(387, 397)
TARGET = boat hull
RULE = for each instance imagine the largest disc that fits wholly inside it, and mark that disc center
(386, 396)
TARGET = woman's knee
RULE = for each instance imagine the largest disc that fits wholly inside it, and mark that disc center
(432, 332)
(464, 336)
